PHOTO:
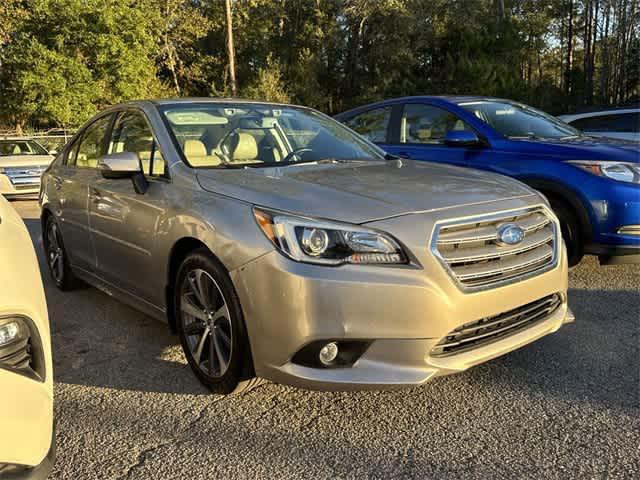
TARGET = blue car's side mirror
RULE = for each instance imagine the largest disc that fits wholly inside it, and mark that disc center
(462, 138)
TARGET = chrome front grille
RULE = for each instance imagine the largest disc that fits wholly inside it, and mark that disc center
(481, 332)
(25, 177)
(471, 250)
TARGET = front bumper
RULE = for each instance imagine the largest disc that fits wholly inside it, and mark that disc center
(37, 472)
(26, 416)
(403, 311)
(615, 210)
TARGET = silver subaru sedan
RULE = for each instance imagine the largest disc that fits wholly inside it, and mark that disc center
(279, 244)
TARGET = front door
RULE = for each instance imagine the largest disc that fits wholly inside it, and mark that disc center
(419, 131)
(124, 223)
(71, 180)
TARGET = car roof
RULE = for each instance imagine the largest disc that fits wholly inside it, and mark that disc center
(457, 99)
(602, 109)
(213, 100)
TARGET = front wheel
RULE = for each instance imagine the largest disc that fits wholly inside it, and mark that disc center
(211, 326)
(57, 259)
(570, 232)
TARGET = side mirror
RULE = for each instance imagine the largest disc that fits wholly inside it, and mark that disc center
(124, 165)
(462, 138)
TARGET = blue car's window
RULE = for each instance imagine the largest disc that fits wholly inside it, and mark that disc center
(213, 135)
(421, 123)
(514, 120)
(372, 124)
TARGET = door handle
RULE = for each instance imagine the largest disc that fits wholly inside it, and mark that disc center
(95, 195)
(57, 183)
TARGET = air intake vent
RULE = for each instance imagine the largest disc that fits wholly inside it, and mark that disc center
(488, 251)
(481, 332)
(17, 355)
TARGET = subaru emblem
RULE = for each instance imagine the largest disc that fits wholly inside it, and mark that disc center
(510, 234)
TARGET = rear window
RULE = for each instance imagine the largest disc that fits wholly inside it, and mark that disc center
(621, 122)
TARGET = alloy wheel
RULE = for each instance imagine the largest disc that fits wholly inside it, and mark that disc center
(206, 323)
(56, 253)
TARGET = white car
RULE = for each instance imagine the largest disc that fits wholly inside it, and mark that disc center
(26, 376)
(22, 162)
(623, 123)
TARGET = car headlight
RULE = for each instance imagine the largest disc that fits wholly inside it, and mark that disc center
(328, 243)
(620, 171)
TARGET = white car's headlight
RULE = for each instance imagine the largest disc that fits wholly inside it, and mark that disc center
(328, 243)
(620, 171)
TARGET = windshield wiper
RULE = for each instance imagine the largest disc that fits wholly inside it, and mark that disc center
(529, 136)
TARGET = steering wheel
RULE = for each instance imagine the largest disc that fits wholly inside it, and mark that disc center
(294, 153)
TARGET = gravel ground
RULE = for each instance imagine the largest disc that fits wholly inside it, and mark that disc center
(567, 406)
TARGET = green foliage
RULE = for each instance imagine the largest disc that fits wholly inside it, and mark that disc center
(71, 57)
(268, 84)
(62, 60)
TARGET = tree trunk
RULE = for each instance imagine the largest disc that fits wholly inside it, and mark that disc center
(231, 52)
(567, 82)
(604, 40)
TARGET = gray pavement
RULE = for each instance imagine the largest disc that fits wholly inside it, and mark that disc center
(567, 406)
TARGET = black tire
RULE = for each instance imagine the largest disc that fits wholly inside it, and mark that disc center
(59, 270)
(238, 374)
(570, 231)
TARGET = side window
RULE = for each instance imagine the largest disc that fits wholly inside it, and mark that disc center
(372, 124)
(131, 133)
(92, 144)
(600, 123)
(621, 122)
(427, 124)
(72, 152)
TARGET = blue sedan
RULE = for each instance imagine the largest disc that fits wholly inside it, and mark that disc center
(593, 184)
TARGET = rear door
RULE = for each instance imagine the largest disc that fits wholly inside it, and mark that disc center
(123, 222)
(71, 182)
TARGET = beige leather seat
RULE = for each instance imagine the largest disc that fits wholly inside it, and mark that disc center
(245, 148)
(158, 163)
(459, 126)
(196, 154)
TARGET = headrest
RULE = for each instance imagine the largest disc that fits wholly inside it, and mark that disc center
(194, 148)
(244, 147)
(423, 133)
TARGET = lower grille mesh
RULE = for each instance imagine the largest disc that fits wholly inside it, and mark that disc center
(484, 331)
(17, 356)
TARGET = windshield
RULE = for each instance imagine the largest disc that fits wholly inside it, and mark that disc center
(216, 135)
(20, 147)
(514, 120)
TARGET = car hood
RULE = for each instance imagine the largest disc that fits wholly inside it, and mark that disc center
(361, 191)
(24, 160)
(591, 148)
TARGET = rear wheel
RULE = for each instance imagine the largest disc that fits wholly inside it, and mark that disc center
(210, 325)
(57, 259)
(570, 231)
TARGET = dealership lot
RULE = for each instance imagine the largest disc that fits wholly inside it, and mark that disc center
(128, 406)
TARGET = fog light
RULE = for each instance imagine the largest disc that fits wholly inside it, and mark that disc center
(328, 353)
(9, 332)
